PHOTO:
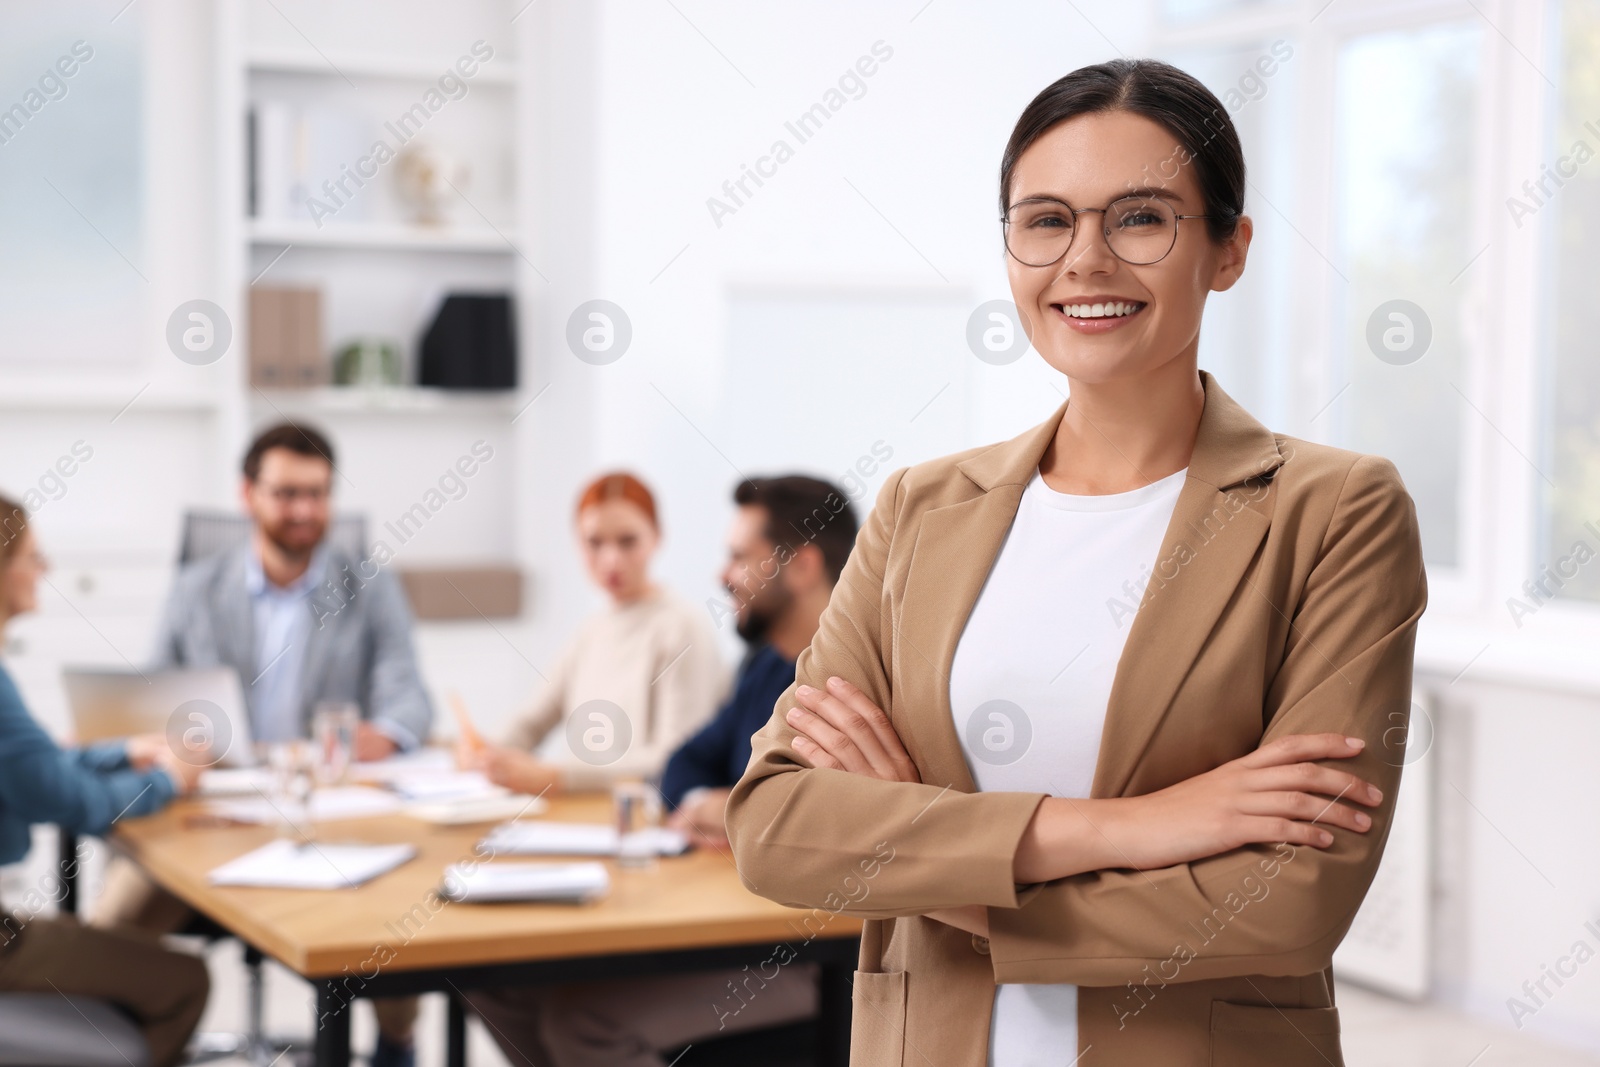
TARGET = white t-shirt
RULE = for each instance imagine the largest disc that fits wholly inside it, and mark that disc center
(1031, 677)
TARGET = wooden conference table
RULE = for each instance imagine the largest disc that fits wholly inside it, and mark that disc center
(391, 937)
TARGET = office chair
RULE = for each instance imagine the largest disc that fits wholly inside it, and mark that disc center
(206, 533)
(50, 1030)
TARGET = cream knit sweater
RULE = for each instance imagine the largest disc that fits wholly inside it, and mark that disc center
(656, 660)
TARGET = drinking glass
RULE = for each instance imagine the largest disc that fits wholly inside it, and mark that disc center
(637, 808)
(293, 766)
(333, 729)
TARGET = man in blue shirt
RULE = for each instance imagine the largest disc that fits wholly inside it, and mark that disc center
(302, 620)
(296, 613)
(786, 548)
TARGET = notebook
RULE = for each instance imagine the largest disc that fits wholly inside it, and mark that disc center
(578, 839)
(464, 810)
(484, 883)
(285, 864)
(337, 802)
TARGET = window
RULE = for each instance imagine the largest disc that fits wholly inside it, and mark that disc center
(1190, 10)
(1568, 206)
(72, 281)
(1247, 340)
(1404, 147)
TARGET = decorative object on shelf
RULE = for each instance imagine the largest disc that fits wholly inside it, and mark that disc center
(370, 362)
(471, 344)
(485, 592)
(424, 177)
(286, 338)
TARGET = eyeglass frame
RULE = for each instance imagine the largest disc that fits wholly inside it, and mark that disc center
(1005, 231)
(288, 495)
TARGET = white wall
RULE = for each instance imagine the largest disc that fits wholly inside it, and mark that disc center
(861, 257)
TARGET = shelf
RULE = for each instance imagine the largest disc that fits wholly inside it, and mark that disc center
(390, 400)
(83, 392)
(387, 68)
(380, 236)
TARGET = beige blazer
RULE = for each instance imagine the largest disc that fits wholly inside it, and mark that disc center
(1284, 600)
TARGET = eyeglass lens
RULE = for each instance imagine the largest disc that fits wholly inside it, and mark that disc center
(1138, 230)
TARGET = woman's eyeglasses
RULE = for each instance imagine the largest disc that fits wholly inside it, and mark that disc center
(1139, 229)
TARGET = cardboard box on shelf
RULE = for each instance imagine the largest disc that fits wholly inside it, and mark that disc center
(286, 338)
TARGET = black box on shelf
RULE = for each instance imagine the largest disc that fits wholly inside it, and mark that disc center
(471, 344)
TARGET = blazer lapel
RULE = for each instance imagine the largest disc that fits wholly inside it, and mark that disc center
(235, 619)
(957, 545)
(327, 603)
(955, 549)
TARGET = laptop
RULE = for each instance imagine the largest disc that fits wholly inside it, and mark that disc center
(201, 711)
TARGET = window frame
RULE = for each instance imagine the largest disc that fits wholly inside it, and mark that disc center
(1507, 359)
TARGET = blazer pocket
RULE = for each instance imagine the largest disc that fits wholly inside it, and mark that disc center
(878, 1019)
(1256, 1035)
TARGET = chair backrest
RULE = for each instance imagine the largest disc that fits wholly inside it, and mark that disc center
(205, 533)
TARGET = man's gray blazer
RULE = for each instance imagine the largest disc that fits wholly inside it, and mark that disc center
(358, 649)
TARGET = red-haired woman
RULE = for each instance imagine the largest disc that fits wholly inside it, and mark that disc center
(636, 679)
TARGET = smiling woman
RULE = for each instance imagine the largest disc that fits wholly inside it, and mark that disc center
(1082, 808)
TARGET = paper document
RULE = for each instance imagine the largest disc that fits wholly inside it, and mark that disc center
(286, 864)
(578, 839)
(465, 810)
(437, 785)
(559, 882)
(339, 802)
(235, 781)
(422, 761)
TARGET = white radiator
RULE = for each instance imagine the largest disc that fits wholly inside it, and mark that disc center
(1388, 946)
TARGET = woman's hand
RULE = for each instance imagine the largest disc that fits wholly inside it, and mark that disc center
(144, 750)
(517, 771)
(1272, 794)
(150, 751)
(843, 729)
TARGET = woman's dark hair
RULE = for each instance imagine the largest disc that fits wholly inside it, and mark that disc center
(13, 528)
(1160, 92)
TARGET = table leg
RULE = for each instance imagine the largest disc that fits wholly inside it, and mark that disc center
(833, 1015)
(333, 1026)
(455, 1049)
(67, 859)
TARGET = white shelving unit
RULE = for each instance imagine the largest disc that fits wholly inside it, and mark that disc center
(168, 435)
(381, 273)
